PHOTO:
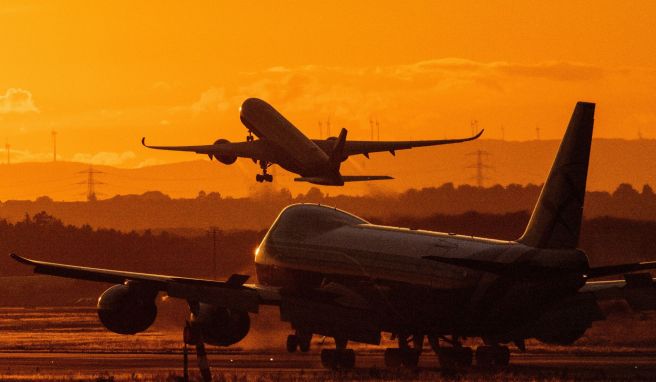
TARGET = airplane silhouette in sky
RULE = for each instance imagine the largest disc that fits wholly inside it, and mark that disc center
(317, 161)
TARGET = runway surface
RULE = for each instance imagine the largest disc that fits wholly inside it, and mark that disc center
(370, 365)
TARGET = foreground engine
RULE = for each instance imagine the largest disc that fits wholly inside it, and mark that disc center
(127, 309)
(225, 159)
(221, 326)
(568, 321)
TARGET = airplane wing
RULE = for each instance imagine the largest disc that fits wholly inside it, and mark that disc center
(367, 147)
(253, 150)
(638, 289)
(230, 293)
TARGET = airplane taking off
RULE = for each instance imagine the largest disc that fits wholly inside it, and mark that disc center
(280, 142)
(334, 274)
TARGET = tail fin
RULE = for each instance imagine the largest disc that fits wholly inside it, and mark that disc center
(556, 219)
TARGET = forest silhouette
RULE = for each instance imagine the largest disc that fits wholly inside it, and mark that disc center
(155, 210)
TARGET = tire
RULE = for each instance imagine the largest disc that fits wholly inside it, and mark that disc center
(492, 356)
(393, 358)
(410, 358)
(346, 359)
(328, 359)
(292, 343)
(455, 357)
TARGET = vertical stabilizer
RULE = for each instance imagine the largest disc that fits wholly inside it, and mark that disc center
(556, 219)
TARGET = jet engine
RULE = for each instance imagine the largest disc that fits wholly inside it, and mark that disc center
(567, 322)
(127, 309)
(221, 326)
(225, 159)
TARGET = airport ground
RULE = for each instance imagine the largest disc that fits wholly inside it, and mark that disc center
(68, 343)
(281, 366)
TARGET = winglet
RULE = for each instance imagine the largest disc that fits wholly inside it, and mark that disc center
(143, 141)
(20, 259)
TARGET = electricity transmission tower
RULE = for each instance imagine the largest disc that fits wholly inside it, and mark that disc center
(480, 166)
(91, 183)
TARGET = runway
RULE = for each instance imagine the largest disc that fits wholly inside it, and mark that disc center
(369, 365)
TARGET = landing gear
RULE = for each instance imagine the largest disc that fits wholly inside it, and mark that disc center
(338, 358)
(249, 137)
(264, 177)
(299, 341)
(492, 356)
(407, 354)
(455, 356)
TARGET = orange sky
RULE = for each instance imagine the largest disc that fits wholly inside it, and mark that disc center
(104, 75)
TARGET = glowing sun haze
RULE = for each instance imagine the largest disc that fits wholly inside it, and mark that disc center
(104, 74)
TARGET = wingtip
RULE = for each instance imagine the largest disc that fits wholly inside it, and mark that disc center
(143, 141)
(19, 258)
(479, 134)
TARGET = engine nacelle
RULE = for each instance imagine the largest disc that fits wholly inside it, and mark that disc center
(221, 326)
(568, 321)
(127, 309)
(225, 159)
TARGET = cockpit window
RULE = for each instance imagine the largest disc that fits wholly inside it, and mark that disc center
(302, 221)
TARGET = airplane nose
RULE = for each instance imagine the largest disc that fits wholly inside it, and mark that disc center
(251, 105)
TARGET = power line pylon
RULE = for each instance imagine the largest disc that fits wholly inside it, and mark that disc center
(480, 167)
(91, 183)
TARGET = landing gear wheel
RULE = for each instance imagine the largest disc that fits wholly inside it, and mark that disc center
(259, 178)
(393, 358)
(410, 358)
(492, 356)
(338, 359)
(456, 357)
(292, 343)
(249, 137)
(304, 340)
(268, 177)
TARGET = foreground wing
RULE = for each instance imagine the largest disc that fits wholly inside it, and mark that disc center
(230, 293)
(253, 150)
(638, 289)
(366, 147)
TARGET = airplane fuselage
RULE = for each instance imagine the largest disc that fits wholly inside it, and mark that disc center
(310, 246)
(294, 151)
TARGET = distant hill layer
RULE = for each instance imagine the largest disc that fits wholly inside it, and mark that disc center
(614, 161)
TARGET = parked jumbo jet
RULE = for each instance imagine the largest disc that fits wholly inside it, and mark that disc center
(315, 160)
(334, 274)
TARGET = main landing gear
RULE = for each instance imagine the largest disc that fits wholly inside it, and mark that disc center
(299, 341)
(264, 177)
(338, 358)
(249, 137)
(457, 356)
(407, 354)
